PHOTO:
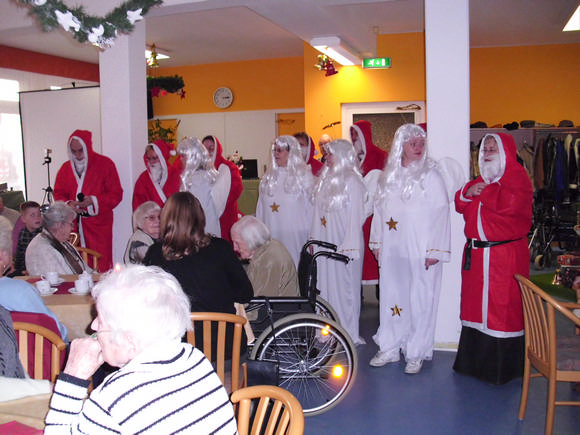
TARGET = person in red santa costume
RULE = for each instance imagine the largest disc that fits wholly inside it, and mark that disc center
(497, 208)
(90, 184)
(160, 179)
(308, 150)
(370, 157)
(224, 166)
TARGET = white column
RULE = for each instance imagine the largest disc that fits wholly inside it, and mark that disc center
(447, 69)
(122, 71)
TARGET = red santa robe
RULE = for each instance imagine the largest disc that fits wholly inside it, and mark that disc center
(374, 158)
(148, 190)
(231, 213)
(315, 165)
(491, 344)
(100, 181)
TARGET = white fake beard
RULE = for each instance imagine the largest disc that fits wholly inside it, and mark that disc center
(305, 153)
(80, 166)
(358, 149)
(156, 172)
(490, 170)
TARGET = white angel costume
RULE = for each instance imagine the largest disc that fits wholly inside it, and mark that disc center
(410, 224)
(284, 204)
(341, 207)
(200, 178)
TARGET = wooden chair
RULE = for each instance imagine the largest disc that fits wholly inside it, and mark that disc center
(557, 359)
(74, 239)
(218, 355)
(87, 253)
(275, 411)
(38, 334)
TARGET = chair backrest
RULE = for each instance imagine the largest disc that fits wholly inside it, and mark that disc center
(94, 256)
(540, 325)
(266, 409)
(31, 332)
(74, 239)
(216, 325)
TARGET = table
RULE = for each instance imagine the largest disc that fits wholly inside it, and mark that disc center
(28, 410)
(76, 312)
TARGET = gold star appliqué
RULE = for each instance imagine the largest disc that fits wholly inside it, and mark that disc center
(392, 224)
(323, 221)
(396, 311)
(275, 207)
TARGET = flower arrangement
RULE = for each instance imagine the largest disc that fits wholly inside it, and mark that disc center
(237, 159)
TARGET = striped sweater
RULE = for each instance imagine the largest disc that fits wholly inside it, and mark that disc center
(167, 389)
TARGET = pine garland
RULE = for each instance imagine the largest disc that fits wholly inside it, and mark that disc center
(100, 31)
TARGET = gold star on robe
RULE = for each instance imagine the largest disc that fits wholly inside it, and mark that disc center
(323, 221)
(275, 207)
(396, 311)
(392, 224)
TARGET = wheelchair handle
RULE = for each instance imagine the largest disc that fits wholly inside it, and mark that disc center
(333, 255)
(326, 245)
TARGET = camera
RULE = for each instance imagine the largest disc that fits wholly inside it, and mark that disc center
(47, 158)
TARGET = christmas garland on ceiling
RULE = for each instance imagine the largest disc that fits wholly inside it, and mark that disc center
(100, 31)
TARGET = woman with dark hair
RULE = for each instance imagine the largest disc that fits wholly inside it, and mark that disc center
(206, 267)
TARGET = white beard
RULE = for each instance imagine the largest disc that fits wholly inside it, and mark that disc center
(80, 166)
(305, 151)
(490, 170)
(156, 172)
(358, 149)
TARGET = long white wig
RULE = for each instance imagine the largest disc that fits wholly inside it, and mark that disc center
(396, 178)
(195, 158)
(330, 191)
(299, 180)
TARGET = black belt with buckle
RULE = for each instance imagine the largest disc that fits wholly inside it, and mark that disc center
(473, 243)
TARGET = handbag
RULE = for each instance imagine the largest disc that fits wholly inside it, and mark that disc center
(265, 372)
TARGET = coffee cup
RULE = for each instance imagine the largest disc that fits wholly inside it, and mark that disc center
(81, 286)
(86, 276)
(51, 277)
(43, 287)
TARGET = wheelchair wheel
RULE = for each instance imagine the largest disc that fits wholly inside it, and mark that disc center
(318, 360)
(324, 309)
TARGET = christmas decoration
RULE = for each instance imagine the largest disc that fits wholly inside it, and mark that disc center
(99, 31)
(161, 86)
(325, 64)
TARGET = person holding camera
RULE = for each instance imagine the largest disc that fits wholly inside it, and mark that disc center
(90, 184)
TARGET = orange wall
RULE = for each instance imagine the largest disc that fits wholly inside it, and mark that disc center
(405, 80)
(256, 85)
(540, 83)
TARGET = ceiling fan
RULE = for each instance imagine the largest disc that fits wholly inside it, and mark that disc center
(153, 55)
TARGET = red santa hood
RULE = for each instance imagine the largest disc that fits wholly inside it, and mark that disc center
(163, 151)
(374, 157)
(217, 156)
(507, 154)
(315, 165)
(85, 137)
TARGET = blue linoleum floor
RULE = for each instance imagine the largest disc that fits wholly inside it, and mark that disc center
(437, 400)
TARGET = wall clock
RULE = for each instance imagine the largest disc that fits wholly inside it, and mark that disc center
(223, 97)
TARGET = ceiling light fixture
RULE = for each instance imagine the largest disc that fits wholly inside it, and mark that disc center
(153, 56)
(335, 49)
(574, 21)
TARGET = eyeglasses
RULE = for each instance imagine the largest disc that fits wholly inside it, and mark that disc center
(95, 334)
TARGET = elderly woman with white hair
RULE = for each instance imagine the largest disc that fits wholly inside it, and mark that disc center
(284, 204)
(146, 227)
(410, 237)
(341, 206)
(271, 269)
(50, 251)
(200, 178)
(163, 385)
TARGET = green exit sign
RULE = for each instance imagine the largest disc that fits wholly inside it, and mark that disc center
(377, 62)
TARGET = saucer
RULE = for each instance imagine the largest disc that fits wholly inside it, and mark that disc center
(72, 291)
(56, 284)
(52, 291)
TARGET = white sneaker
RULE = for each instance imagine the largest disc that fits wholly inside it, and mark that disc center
(413, 366)
(382, 358)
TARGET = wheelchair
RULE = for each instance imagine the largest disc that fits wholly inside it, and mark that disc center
(317, 358)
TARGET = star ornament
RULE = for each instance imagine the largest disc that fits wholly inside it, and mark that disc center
(133, 16)
(392, 224)
(275, 207)
(396, 311)
(96, 33)
(67, 21)
(323, 221)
